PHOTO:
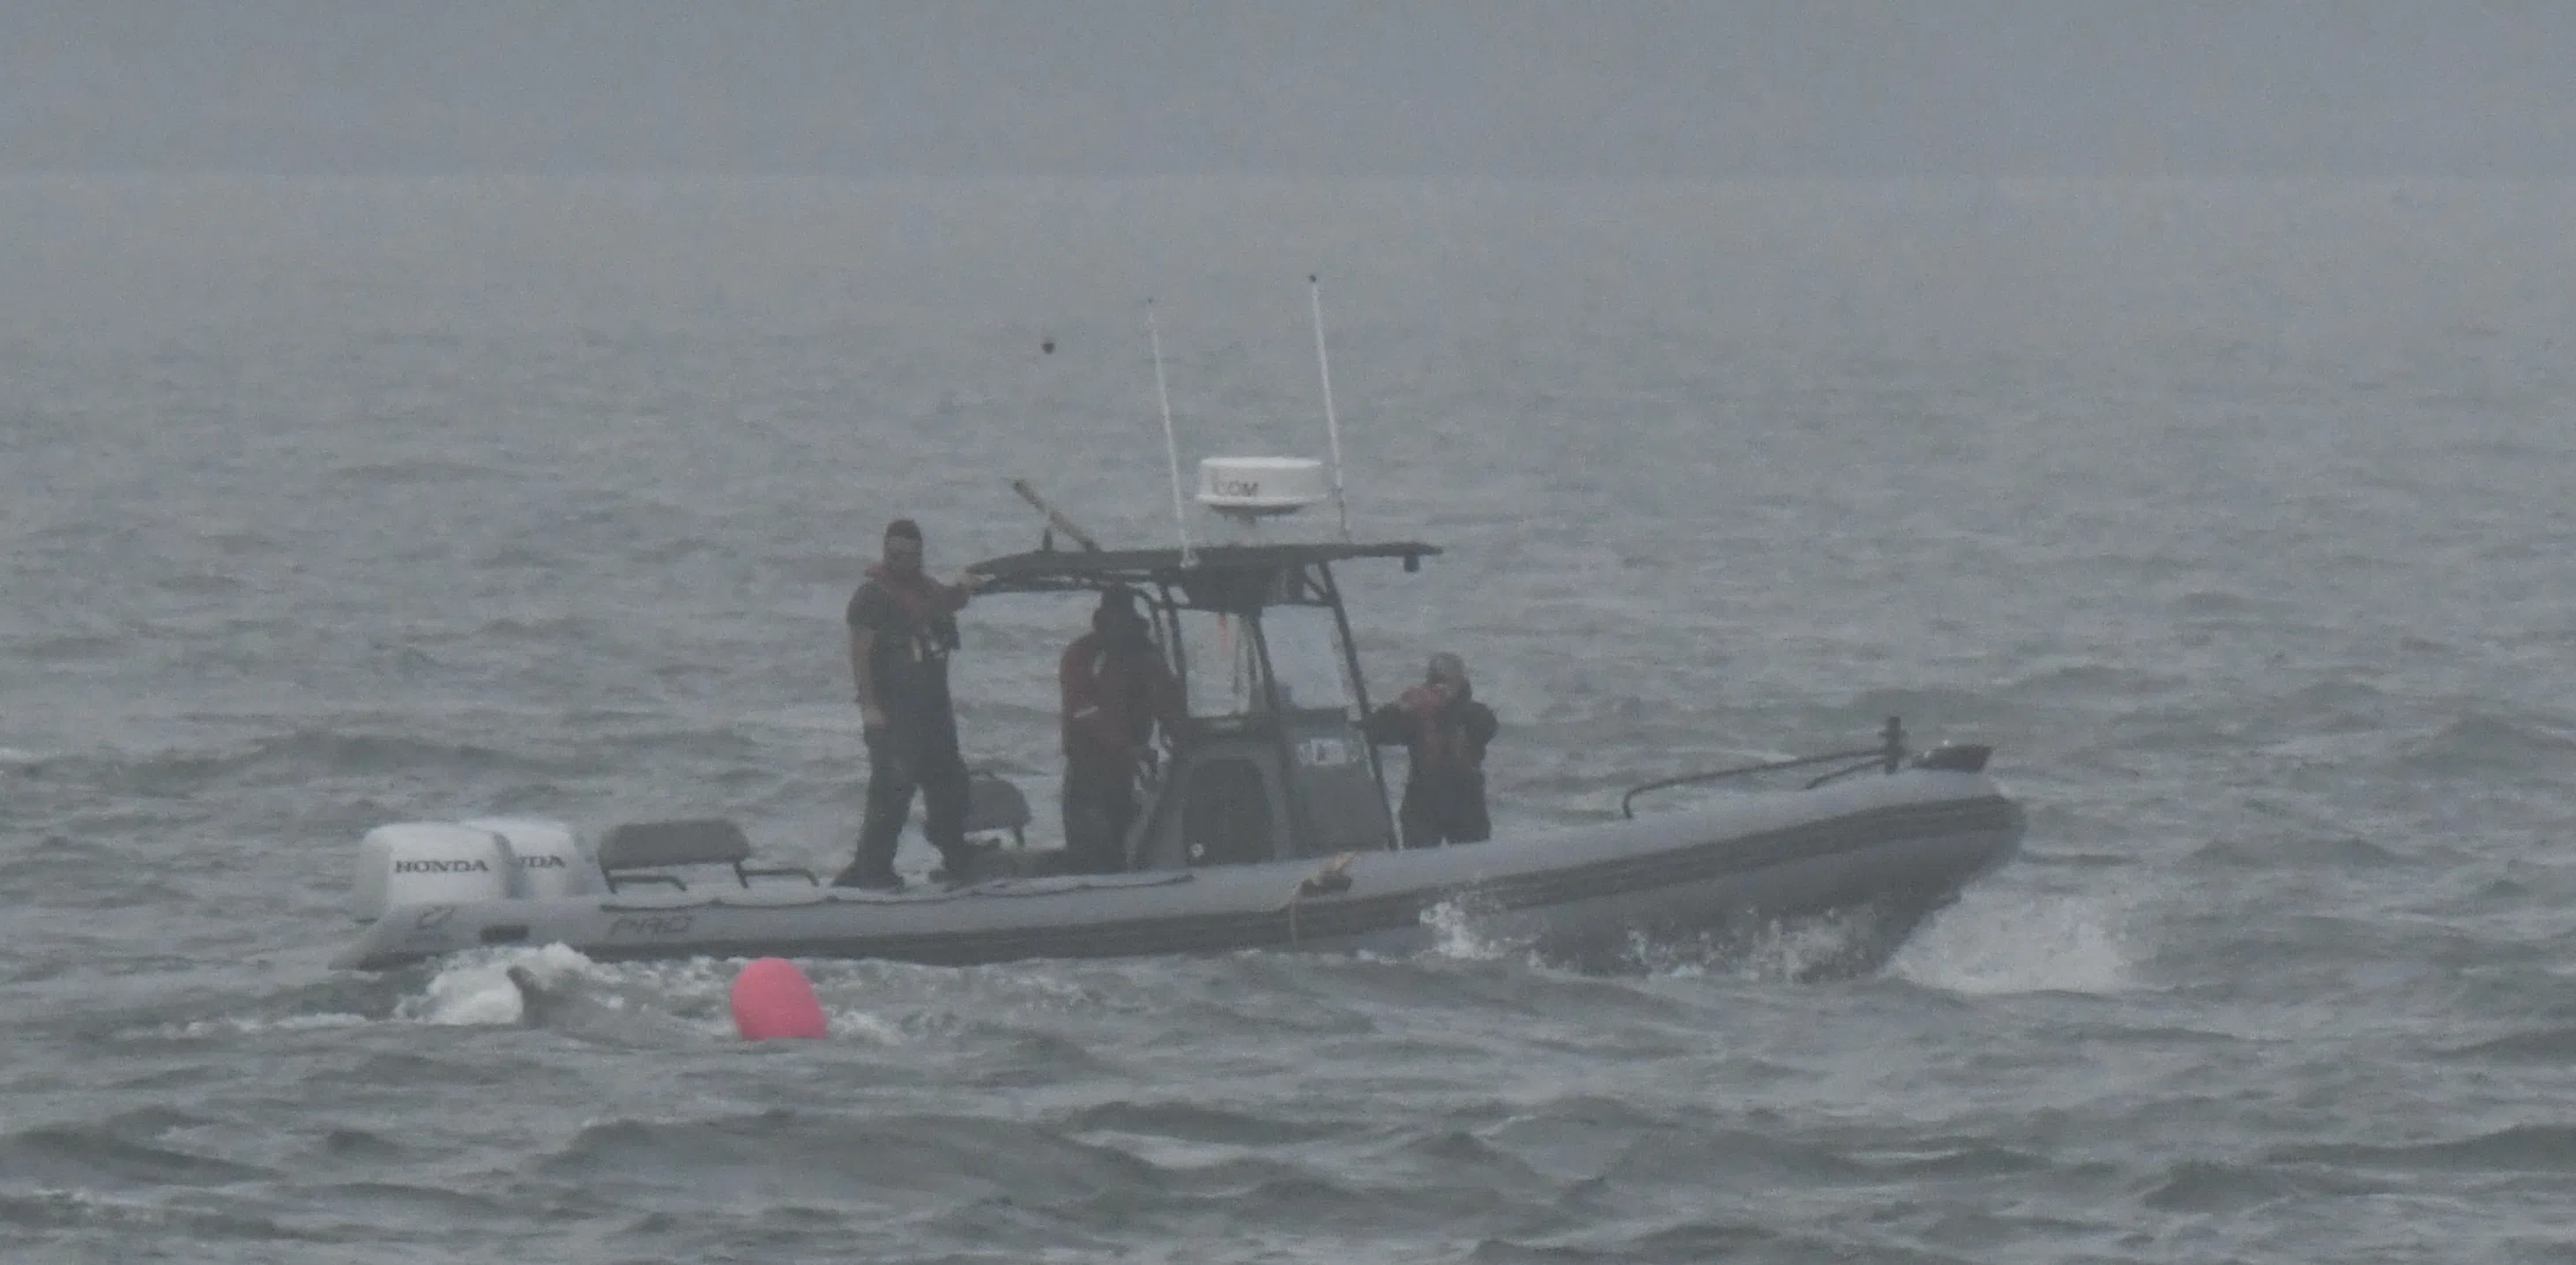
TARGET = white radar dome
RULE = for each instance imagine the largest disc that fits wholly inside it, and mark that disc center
(1261, 487)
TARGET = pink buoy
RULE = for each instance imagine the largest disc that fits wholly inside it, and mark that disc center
(772, 999)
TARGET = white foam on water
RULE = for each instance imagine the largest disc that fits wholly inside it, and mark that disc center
(1779, 951)
(468, 995)
(860, 1025)
(693, 993)
(242, 1025)
(1458, 936)
(1995, 942)
(475, 990)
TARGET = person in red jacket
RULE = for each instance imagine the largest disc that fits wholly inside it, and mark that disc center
(1447, 732)
(1116, 691)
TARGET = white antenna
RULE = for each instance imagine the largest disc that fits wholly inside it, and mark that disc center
(1332, 425)
(1171, 447)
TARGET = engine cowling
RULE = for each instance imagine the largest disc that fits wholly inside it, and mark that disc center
(546, 860)
(466, 862)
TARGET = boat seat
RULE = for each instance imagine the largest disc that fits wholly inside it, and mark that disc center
(662, 845)
(994, 806)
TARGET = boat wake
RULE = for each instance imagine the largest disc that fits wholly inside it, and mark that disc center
(1844, 944)
(2021, 942)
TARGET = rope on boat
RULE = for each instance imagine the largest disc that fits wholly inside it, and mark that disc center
(1888, 755)
(1330, 877)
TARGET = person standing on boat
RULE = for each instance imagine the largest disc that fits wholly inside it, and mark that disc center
(1446, 732)
(1115, 690)
(903, 627)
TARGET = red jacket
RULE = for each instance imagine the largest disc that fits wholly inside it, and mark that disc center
(1112, 701)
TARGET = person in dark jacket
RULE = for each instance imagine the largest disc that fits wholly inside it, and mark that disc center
(1446, 731)
(1116, 690)
(903, 627)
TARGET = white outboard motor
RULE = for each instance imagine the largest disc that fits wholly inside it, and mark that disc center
(428, 863)
(545, 860)
(464, 863)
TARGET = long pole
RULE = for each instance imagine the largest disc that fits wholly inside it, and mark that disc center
(1332, 424)
(1171, 446)
(1055, 517)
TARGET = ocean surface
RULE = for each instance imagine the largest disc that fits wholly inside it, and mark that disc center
(2236, 514)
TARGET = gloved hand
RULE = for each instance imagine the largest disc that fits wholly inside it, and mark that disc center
(1426, 698)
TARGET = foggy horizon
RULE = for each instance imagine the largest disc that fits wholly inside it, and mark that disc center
(1128, 88)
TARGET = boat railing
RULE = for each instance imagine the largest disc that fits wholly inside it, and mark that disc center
(1888, 755)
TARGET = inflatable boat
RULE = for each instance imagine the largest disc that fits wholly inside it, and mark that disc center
(1269, 828)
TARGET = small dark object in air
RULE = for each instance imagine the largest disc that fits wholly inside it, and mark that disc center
(1047, 346)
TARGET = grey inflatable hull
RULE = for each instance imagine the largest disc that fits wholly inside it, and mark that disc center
(1896, 846)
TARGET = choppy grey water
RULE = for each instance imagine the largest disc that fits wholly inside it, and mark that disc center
(2235, 514)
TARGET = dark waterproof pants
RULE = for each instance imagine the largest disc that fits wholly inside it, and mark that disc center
(913, 753)
(1445, 807)
(1099, 809)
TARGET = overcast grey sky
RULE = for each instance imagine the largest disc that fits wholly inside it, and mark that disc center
(1502, 87)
